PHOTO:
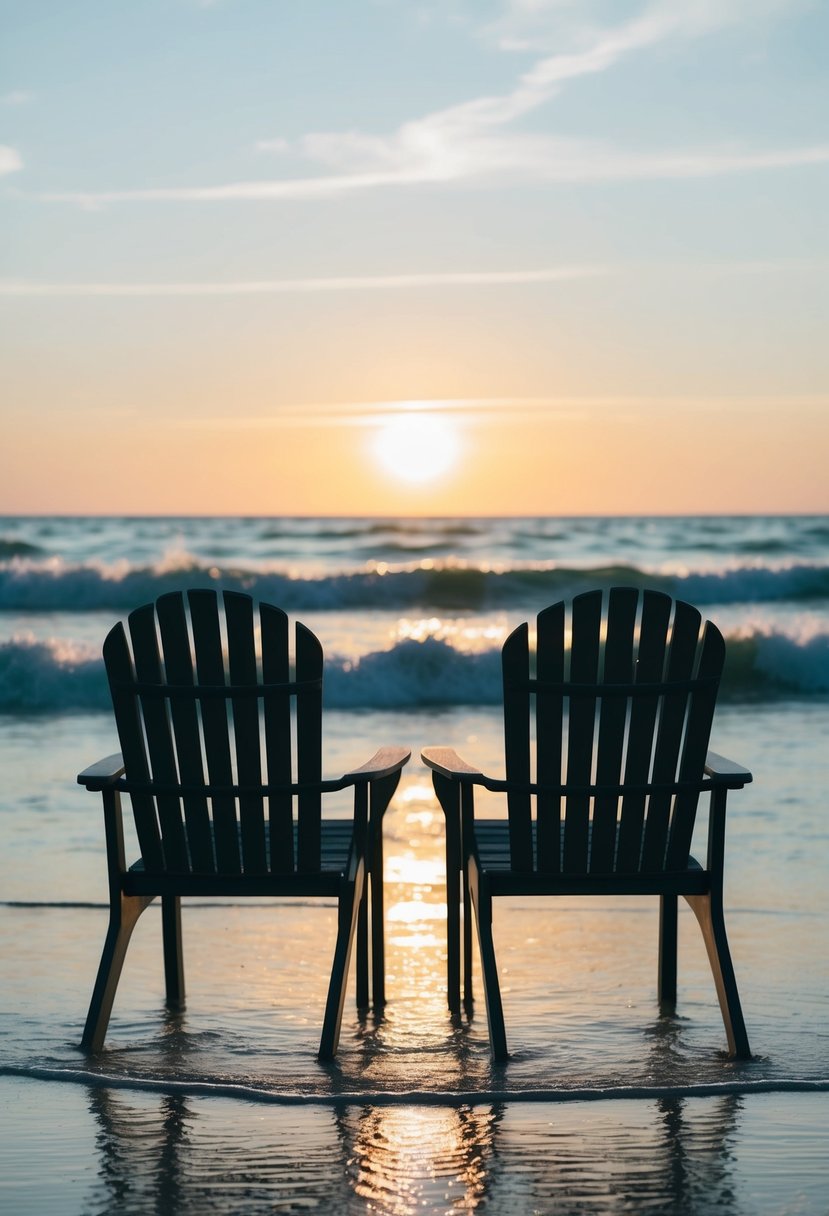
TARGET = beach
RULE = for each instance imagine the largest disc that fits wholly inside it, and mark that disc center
(604, 1104)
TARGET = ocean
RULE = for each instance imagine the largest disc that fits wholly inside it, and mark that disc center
(605, 1103)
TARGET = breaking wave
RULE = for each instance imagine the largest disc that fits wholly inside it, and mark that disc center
(55, 585)
(57, 676)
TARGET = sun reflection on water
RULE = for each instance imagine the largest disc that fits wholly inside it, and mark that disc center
(406, 1159)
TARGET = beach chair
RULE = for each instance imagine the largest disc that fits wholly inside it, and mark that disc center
(622, 696)
(205, 722)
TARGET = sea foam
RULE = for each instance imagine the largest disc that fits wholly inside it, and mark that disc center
(55, 676)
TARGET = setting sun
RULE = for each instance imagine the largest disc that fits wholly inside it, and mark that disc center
(416, 447)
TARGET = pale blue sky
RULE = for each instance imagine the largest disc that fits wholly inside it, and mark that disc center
(240, 213)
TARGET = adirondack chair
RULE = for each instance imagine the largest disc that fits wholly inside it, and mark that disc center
(622, 713)
(205, 727)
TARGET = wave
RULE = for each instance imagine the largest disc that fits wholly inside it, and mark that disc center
(10, 546)
(56, 677)
(55, 585)
(372, 528)
(216, 1087)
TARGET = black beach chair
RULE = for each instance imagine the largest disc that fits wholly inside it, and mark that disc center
(204, 718)
(622, 700)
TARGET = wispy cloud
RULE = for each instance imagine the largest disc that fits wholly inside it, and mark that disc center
(478, 141)
(374, 413)
(526, 25)
(532, 158)
(484, 409)
(22, 288)
(10, 160)
(17, 97)
(389, 282)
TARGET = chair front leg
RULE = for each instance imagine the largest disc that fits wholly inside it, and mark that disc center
(481, 901)
(123, 915)
(709, 913)
(351, 896)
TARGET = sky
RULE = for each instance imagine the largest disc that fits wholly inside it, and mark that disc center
(414, 256)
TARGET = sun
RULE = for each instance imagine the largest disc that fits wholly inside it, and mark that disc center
(416, 446)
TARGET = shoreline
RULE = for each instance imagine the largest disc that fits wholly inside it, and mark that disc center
(422, 1097)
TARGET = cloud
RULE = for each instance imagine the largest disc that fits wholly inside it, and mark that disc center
(10, 160)
(478, 142)
(21, 288)
(17, 97)
(482, 409)
(484, 160)
(526, 25)
(388, 282)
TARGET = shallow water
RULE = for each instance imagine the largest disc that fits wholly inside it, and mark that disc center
(680, 1126)
(101, 1151)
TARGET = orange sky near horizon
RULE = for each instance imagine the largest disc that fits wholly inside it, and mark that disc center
(675, 457)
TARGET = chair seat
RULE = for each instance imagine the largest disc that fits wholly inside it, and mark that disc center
(335, 842)
(493, 850)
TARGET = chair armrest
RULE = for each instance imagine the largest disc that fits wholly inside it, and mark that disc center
(383, 763)
(726, 772)
(447, 762)
(103, 773)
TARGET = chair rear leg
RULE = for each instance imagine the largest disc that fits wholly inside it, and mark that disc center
(123, 916)
(173, 955)
(382, 792)
(362, 952)
(378, 947)
(666, 981)
(468, 994)
(348, 911)
(709, 913)
(482, 903)
(453, 900)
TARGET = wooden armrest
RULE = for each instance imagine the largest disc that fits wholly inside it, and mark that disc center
(447, 762)
(103, 772)
(726, 771)
(383, 763)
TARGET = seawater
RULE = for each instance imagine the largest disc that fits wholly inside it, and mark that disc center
(401, 603)
(411, 615)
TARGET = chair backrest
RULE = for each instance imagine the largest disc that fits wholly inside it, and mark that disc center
(205, 725)
(624, 693)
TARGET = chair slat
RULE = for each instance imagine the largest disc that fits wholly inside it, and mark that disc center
(669, 731)
(155, 712)
(584, 668)
(515, 665)
(121, 673)
(178, 663)
(241, 649)
(650, 665)
(309, 747)
(695, 747)
(618, 669)
(207, 640)
(275, 670)
(549, 714)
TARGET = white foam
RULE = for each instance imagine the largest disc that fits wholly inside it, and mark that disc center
(215, 1088)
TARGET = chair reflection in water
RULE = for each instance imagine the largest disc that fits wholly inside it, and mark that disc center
(623, 713)
(204, 719)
